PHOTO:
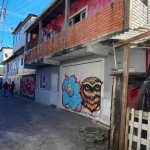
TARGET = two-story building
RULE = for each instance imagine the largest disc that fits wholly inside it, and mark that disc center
(14, 65)
(5, 53)
(74, 54)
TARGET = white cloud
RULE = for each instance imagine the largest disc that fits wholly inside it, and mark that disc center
(28, 12)
(15, 14)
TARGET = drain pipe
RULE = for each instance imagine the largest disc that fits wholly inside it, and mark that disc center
(67, 6)
(148, 11)
(115, 60)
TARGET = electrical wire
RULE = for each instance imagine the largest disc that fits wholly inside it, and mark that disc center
(29, 10)
(10, 35)
(18, 5)
(23, 6)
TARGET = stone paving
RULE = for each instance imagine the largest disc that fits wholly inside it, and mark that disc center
(28, 125)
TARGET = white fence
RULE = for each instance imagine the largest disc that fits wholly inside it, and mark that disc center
(137, 136)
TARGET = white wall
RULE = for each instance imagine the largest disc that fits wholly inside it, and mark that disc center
(22, 40)
(139, 13)
(44, 95)
(137, 61)
(21, 69)
(5, 54)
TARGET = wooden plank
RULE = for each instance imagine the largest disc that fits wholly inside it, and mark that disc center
(112, 113)
(127, 128)
(148, 133)
(128, 14)
(126, 59)
(131, 129)
(67, 6)
(135, 38)
(139, 130)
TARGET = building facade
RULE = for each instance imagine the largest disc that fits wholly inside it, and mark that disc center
(14, 65)
(74, 55)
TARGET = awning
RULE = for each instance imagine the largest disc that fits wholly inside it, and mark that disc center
(136, 37)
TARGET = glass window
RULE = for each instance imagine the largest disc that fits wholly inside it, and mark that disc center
(78, 17)
(21, 61)
(14, 65)
(42, 82)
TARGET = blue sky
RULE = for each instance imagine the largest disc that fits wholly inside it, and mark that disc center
(17, 10)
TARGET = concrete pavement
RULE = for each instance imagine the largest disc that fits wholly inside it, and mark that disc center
(28, 125)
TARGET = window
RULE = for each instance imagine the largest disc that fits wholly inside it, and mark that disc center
(10, 66)
(78, 17)
(21, 61)
(7, 67)
(4, 68)
(42, 82)
(14, 65)
(25, 26)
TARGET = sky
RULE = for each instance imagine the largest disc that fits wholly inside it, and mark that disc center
(16, 11)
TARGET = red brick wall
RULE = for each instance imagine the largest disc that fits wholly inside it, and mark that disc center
(108, 20)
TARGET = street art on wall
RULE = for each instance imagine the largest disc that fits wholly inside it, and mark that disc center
(71, 96)
(91, 93)
(86, 94)
(28, 86)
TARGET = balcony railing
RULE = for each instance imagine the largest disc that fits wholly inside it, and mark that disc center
(108, 20)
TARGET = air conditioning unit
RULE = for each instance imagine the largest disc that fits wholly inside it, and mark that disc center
(27, 52)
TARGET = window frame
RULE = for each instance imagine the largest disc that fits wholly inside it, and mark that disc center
(21, 61)
(42, 85)
(84, 9)
(14, 65)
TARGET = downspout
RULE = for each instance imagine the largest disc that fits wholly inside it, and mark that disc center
(25, 48)
(115, 60)
(148, 11)
(40, 35)
(148, 21)
(67, 4)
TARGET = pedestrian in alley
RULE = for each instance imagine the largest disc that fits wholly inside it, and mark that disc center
(12, 86)
(6, 87)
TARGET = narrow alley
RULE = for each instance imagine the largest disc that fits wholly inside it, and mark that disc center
(28, 125)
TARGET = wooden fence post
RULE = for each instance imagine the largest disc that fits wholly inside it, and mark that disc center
(126, 62)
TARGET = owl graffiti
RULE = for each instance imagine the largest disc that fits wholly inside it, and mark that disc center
(91, 93)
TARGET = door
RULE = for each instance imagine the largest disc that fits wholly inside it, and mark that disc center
(54, 89)
(82, 88)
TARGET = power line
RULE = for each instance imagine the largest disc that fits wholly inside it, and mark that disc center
(29, 10)
(33, 8)
(23, 6)
(18, 5)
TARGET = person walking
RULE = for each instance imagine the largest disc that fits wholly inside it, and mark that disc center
(6, 87)
(12, 86)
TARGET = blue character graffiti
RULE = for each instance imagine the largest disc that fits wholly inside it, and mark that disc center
(71, 93)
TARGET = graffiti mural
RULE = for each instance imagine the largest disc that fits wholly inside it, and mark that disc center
(28, 86)
(71, 96)
(91, 93)
(86, 94)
